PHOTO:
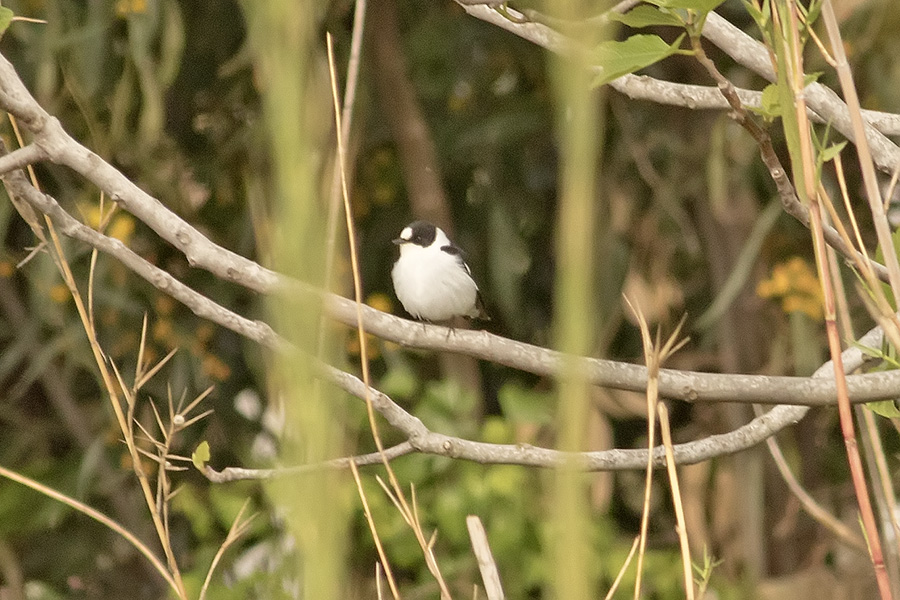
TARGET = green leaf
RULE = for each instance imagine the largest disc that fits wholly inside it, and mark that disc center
(770, 104)
(879, 256)
(809, 78)
(201, 455)
(885, 408)
(812, 14)
(868, 351)
(647, 16)
(830, 152)
(758, 17)
(639, 51)
(701, 6)
(6, 17)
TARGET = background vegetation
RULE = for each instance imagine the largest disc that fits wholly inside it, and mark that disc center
(460, 122)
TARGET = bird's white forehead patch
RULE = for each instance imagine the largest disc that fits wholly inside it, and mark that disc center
(406, 234)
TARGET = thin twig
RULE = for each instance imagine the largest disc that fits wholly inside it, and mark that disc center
(681, 527)
(621, 574)
(371, 523)
(792, 55)
(237, 529)
(809, 504)
(239, 474)
(361, 334)
(486, 564)
(97, 516)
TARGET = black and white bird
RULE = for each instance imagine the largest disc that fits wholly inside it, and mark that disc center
(431, 279)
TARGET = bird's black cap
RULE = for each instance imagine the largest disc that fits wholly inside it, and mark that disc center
(420, 233)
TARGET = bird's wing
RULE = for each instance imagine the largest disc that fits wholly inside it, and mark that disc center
(479, 311)
(459, 254)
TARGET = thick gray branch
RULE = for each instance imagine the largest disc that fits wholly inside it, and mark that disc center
(759, 429)
(825, 104)
(422, 439)
(821, 99)
(688, 386)
(18, 186)
(52, 142)
(203, 253)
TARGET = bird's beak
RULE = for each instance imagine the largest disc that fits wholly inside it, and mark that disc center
(399, 241)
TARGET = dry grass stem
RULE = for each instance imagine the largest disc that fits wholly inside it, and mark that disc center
(124, 424)
(238, 527)
(379, 593)
(410, 518)
(791, 49)
(97, 516)
(655, 354)
(681, 526)
(378, 546)
(809, 504)
(621, 573)
(486, 564)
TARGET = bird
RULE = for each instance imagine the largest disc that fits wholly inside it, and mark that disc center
(431, 279)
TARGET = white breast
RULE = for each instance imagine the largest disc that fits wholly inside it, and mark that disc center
(432, 285)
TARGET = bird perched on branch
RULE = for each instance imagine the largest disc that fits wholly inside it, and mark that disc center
(431, 279)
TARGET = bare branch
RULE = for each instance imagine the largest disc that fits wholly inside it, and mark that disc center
(821, 99)
(21, 157)
(374, 458)
(429, 442)
(200, 251)
(688, 386)
(18, 186)
(826, 105)
(759, 429)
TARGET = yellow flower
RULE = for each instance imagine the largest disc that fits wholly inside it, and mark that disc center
(380, 302)
(127, 7)
(796, 285)
(372, 349)
(91, 213)
(204, 333)
(59, 293)
(215, 368)
(121, 228)
(164, 304)
(163, 330)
